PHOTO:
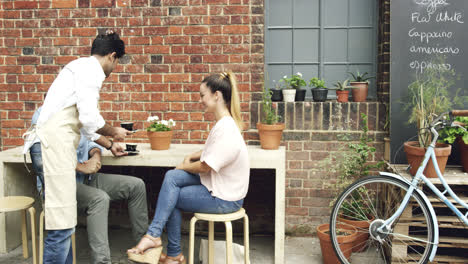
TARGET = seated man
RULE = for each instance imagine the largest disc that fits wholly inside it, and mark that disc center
(95, 190)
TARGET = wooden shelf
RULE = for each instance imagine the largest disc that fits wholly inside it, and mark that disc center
(454, 175)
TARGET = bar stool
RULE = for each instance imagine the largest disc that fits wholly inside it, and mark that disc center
(23, 203)
(226, 218)
(41, 240)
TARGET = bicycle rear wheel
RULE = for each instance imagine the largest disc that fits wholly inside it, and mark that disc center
(373, 200)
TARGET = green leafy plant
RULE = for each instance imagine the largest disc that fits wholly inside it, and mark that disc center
(450, 134)
(269, 114)
(317, 83)
(160, 125)
(294, 82)
(341, 86)
(358, 77)
(351, 164)
(428, 97)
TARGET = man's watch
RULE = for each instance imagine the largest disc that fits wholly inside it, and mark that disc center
(112, 144)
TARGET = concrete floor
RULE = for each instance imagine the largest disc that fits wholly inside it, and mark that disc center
(298, 250)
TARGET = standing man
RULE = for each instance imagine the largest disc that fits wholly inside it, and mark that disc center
(71, 106)
(94, 191)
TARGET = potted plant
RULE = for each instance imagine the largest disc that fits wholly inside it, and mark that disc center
(269, 130)
(276, 92)
(295, 82)
(319, 93)
(341, 92)
(349, 164)
(346, 239)
(427, 98)
(450, 135)
(361, 82)
(160, 133)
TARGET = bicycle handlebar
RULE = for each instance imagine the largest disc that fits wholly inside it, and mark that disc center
(459, 112)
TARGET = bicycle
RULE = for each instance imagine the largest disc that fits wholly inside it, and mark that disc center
(390, 203)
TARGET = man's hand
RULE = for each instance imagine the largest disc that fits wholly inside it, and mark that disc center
(90, 166)
(117, 150)
(120, 133)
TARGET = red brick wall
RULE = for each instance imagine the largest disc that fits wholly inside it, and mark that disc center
(172, 45)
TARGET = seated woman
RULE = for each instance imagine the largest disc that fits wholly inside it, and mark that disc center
(214, 180)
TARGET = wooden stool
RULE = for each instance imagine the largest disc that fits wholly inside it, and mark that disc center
(41, 241)
(226, 218)
(23, 203)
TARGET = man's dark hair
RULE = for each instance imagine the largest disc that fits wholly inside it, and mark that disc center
(107, 43)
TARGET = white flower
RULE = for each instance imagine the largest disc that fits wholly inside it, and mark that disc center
(284, 77)
(149, 119)
(164, 122)
(300, 74)
(156, 118)
(171, 122)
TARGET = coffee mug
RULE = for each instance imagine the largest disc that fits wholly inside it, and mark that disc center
(130, 147)
(127, 125)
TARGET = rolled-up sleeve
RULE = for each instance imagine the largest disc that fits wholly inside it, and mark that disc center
(87, 88)
(92, 145)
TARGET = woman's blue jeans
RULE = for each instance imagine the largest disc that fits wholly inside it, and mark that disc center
(57, 244)
(183, 191)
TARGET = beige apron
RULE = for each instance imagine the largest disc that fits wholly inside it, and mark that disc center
(59, 137)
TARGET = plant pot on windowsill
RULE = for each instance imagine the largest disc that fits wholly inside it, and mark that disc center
(415, 155)
(276, 95)
(463, 153)
(160, 140)
(270, 135)
(289, 95)
(342, 96)
(300, 95)
(319, 94)
(360, 92)
(346, 242)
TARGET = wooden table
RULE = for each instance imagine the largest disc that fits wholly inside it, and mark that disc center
(14, 180)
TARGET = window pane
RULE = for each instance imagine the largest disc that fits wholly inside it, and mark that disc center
(336, 13)
(280, 13)
(306, 45)
(361, 12)
(280, 41)
(361, 45)
(306, 13)
(276, 73)
(335, 45)
(334, 73)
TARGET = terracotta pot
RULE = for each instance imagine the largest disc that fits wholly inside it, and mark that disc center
(270, 135)
(346, 243)
(160, 140)
(463, 153)
(342, 96)
(359, 93)
(361, 236)
(415, 155)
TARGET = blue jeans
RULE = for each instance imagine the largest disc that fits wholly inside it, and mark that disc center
(57, 244)
(183, 191)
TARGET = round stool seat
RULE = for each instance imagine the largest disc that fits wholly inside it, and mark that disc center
(15, 203)
(221, 217)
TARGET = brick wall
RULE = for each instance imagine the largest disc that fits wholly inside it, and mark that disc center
(172, 45)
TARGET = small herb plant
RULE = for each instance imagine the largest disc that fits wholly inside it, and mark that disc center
(317, 83)
(358, 77)
(341, 86)
(269, 114)
(295, 81)
(450, 134)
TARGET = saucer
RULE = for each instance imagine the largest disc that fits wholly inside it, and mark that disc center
(132, 153)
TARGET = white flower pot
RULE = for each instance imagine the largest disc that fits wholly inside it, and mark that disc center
(289, 95)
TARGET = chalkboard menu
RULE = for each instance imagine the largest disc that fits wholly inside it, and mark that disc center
(425, 34)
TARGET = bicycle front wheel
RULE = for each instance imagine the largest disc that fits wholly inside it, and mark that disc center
(365, 205)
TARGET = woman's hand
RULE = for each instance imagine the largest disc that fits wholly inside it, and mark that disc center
(181, 165)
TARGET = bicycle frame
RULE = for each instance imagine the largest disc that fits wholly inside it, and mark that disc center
(430, 154)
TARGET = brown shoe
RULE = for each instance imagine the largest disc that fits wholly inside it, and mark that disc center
(149, 255)
(180, 259)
